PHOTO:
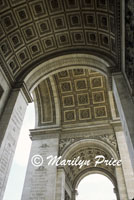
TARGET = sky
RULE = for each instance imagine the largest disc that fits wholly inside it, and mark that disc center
(18, 169)
(94, 187)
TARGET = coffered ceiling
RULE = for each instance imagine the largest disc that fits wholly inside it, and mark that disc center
(83, 96)
(72, 97)
(33, 31)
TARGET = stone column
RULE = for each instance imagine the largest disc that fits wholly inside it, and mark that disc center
(40, 182)
(126, 163)
(125, 107)
(10, 124)
(74, 194)
(60, 184)
(121, 184)
(116, 193)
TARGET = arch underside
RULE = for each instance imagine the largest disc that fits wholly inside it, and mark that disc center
(73, 97)
(33, 32)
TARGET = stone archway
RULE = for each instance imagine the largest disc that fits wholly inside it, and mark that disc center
(52, 135)
(62, 63)
(41, 38)
(88, 149)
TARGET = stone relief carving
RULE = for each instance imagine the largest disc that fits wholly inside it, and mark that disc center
(68, 101)
(64, 143)
(96, 82)
(88, 153)
(85, 114)
(100, 111)
(66, 86)
(44, 146)
(109, 139)
(70, 115)
(83, 99)
(98, 97)
(81, 84)
(63, 74)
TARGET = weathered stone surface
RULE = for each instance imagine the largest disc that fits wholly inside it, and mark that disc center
(127, 164)
(40, 181)
(129, 23)
(125, 107)
(10, 125)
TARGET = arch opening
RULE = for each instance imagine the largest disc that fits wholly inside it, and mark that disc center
(96, 186)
